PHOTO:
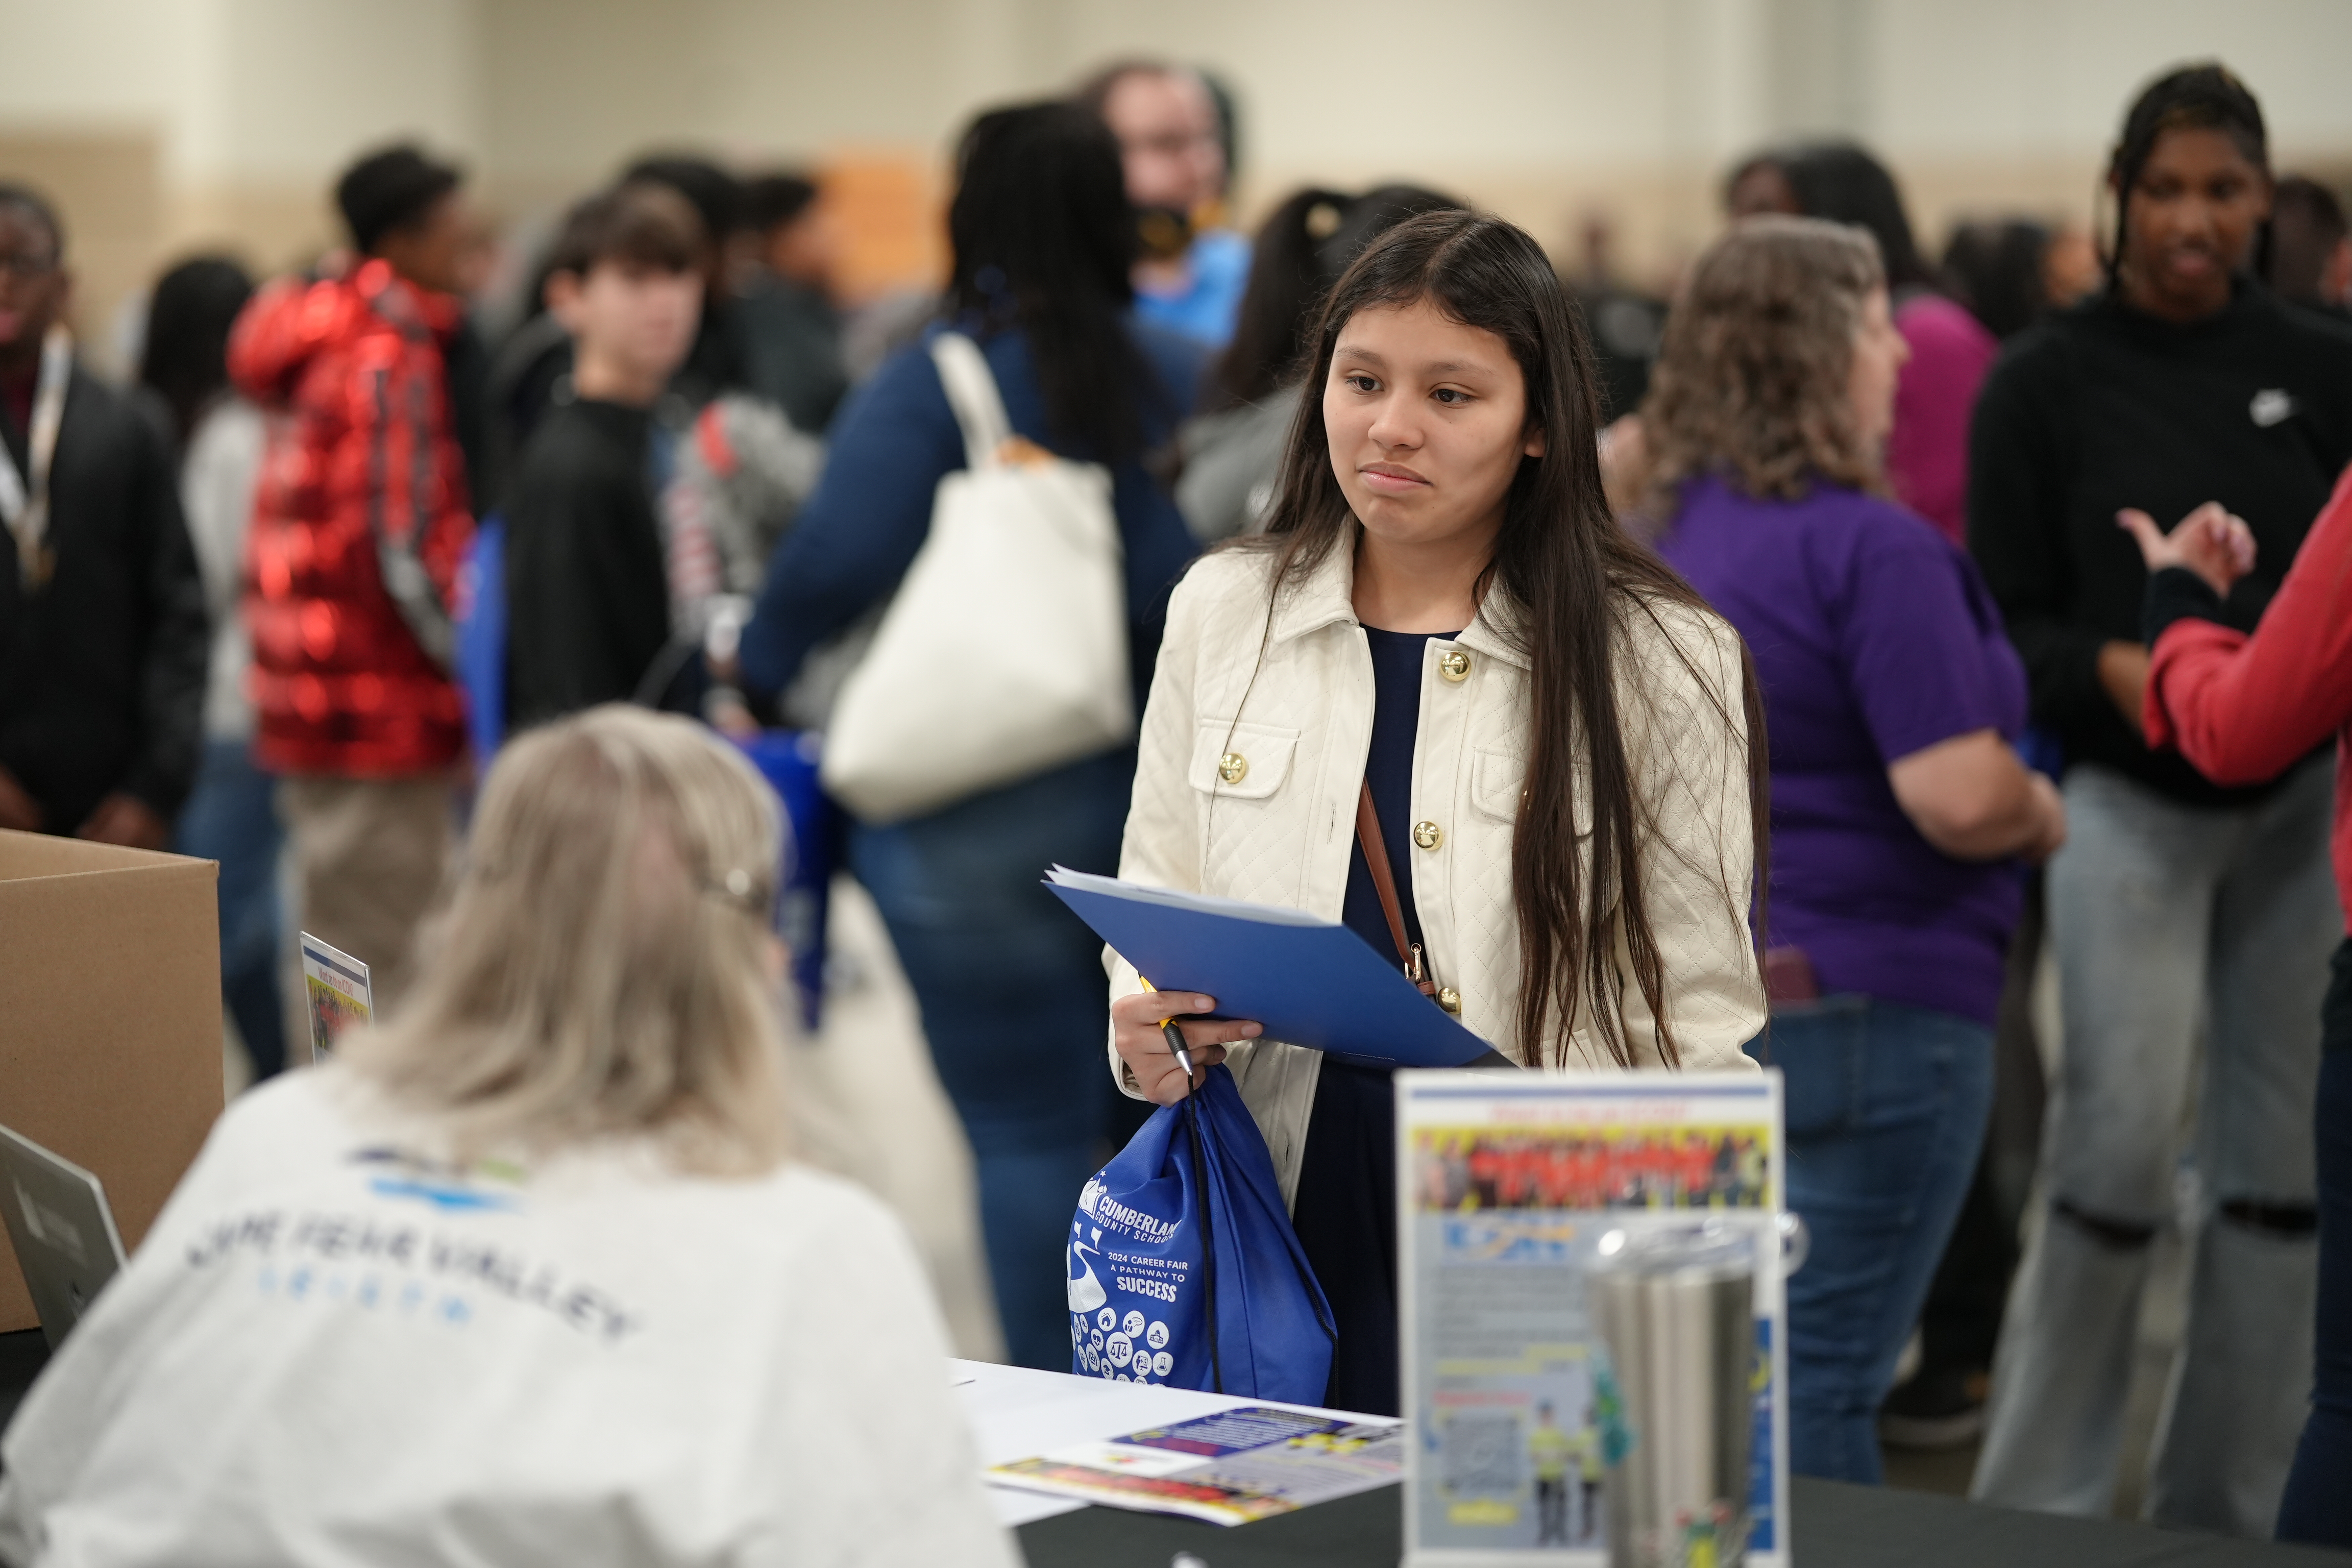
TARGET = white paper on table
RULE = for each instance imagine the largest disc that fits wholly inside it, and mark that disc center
(1017, 1411)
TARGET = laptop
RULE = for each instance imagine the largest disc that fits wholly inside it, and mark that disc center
(62, 1228)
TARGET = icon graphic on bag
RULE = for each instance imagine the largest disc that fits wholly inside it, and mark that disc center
(1132, 1324)
(1120, 1350)
(1158, 1337)
(1086, 1292)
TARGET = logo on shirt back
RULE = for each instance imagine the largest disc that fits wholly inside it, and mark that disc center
(2271, 405)
(441, 1185)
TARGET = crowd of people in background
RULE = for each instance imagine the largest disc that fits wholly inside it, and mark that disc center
(239, 587)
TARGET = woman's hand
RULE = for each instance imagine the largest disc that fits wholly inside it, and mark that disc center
(2212, 542)
(1135, 1030)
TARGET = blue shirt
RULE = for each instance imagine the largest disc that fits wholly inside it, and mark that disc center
(1874, 637)
(893, 442)
(1216, 271)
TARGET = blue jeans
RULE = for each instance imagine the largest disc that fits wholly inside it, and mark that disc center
(232, 817)
(1013, 999)
(2317, 1507)
(1886, 1107)
(2161, 913)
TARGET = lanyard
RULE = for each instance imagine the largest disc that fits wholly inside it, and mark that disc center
(26, 508)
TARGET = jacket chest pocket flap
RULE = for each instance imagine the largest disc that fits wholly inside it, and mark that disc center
(1241, 762)
(1498, 779)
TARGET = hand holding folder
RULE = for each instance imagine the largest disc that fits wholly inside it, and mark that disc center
(1309, 982)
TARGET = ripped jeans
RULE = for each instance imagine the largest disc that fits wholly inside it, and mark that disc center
(2158, 911)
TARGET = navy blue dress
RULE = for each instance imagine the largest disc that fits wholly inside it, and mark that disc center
(1346, 1210)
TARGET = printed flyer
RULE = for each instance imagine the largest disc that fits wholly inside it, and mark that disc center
(336, 986)
(1228, 1469)
(1509, 1186)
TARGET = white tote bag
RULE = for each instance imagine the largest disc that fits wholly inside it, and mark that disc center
(1004, 653)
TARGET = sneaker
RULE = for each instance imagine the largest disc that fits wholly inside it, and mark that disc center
(1942, 1407)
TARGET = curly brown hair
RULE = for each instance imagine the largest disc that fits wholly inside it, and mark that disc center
(1750, 383)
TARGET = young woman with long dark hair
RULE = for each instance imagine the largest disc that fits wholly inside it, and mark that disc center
(1561, 744)
(2179, 897)
(1233, 448)
(1009, 987)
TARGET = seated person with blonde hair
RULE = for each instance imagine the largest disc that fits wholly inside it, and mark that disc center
(526, 1275)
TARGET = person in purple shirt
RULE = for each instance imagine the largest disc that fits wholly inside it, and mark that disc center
(1899, 806)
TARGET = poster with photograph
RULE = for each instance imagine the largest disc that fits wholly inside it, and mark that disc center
(1507, 1187)
(335, 989)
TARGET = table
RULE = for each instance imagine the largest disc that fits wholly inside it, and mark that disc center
(1018, 1412)
(1833, 1526)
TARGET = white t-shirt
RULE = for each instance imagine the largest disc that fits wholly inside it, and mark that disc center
(332, 1351)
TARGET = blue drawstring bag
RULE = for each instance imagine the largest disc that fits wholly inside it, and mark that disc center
(788, 759)
(481, 653)
(1183, 1269)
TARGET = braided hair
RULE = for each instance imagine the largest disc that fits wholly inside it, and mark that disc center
(2206, 97)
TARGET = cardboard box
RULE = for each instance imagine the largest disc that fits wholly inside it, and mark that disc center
(110, 1020)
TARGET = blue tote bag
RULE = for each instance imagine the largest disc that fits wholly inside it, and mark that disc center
(1183, 1269)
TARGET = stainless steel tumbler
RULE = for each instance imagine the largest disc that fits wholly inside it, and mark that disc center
(1675, 1310)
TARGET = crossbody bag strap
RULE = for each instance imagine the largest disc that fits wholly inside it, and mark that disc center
(1376, 857)
(972, 394)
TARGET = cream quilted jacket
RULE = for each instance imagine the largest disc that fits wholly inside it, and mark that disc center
(1277, 824)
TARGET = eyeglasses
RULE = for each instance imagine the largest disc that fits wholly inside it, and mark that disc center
(29, 265)
(1171, 143)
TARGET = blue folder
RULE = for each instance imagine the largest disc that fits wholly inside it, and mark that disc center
(1308, 981)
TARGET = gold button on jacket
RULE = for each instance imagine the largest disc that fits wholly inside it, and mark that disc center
(1428, 835)
(1454, 665)
(1449, 999)
(1233, 767)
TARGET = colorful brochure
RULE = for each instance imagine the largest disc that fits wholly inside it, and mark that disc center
(1229, 1467)
(1506, 1186)
(336, 986)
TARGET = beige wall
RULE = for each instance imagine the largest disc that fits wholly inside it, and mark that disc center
(107, 186)
(1548, 109)
(240, 111)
